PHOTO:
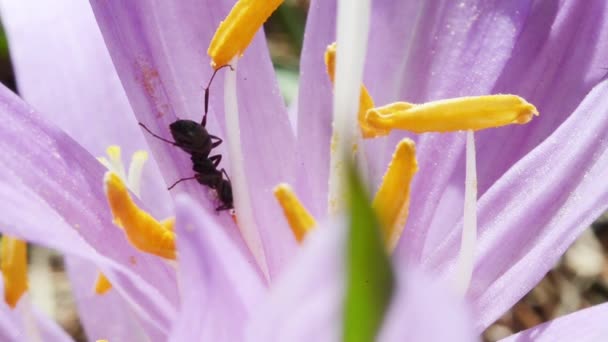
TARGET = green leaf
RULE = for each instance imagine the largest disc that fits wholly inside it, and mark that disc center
(369, 282)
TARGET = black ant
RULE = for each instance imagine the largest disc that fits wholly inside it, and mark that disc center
(192, 137)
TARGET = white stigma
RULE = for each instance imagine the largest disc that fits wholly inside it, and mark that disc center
(466, 257)
(242, 201)
(352, 31)
(114, 163)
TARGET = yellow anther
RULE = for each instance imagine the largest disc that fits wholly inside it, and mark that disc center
(102, 340)
(458, 114)
(102, 284)
(14, 269)
(143, 231)
(236, 32)
(299, 219)
(393, 198)
(365, 100)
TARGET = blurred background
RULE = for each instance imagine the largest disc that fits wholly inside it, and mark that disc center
(579, 280)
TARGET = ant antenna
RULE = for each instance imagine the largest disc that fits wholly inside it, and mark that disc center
(204, 122)
(156, 135)
(179, 181)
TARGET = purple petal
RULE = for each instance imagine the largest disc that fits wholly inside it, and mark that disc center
(220, 285)
(315, 108)
(159, 52)
(66, 180)
(456, 51)
(105, 316)
(308, 294)
(76, 87)
(586, 325)
(536, 210)
(558, 57)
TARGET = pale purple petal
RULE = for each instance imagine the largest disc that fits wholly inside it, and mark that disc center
(106, 316)
(75, 85)
(423, 309)
(588, 325)
(536, 210)
(220, 285)
(66, 179)
(26, 323)
(159, 50)
(308, 295)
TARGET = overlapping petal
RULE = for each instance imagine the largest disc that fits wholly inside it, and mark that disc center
(104, 317)
(159, 52)
(220, 285)
(75, 85)
(65, 180)
(563, 180)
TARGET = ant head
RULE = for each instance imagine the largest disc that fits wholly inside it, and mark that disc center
(224, 192)
(190, 136)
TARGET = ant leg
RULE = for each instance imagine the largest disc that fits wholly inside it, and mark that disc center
(216, 160)
(223, 207)
(204, 122)
(217, 142)
(179, 181)
(225, 174)
(156, 135)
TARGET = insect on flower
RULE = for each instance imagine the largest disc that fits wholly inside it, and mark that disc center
(192, 137)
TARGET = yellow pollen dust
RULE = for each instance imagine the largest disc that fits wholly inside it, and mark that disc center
(393, 197)
(457, 114)
(365, 100)
(13, 263)
(236, 32)
(102, 284)
(299, 219)
(143, 231)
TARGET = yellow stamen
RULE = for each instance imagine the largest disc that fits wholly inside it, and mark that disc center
(299, 219)
(143, 231)
(236, 32)
(365, 100)
(14, 269)
(102, 284)
(102, 340)
(458, 114)
(393, 198)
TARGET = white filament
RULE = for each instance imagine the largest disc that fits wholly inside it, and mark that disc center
(242, 201)
(138, 160)
(352, 31)
(466, 257)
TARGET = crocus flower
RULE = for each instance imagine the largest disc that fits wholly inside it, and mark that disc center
(539, 184)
